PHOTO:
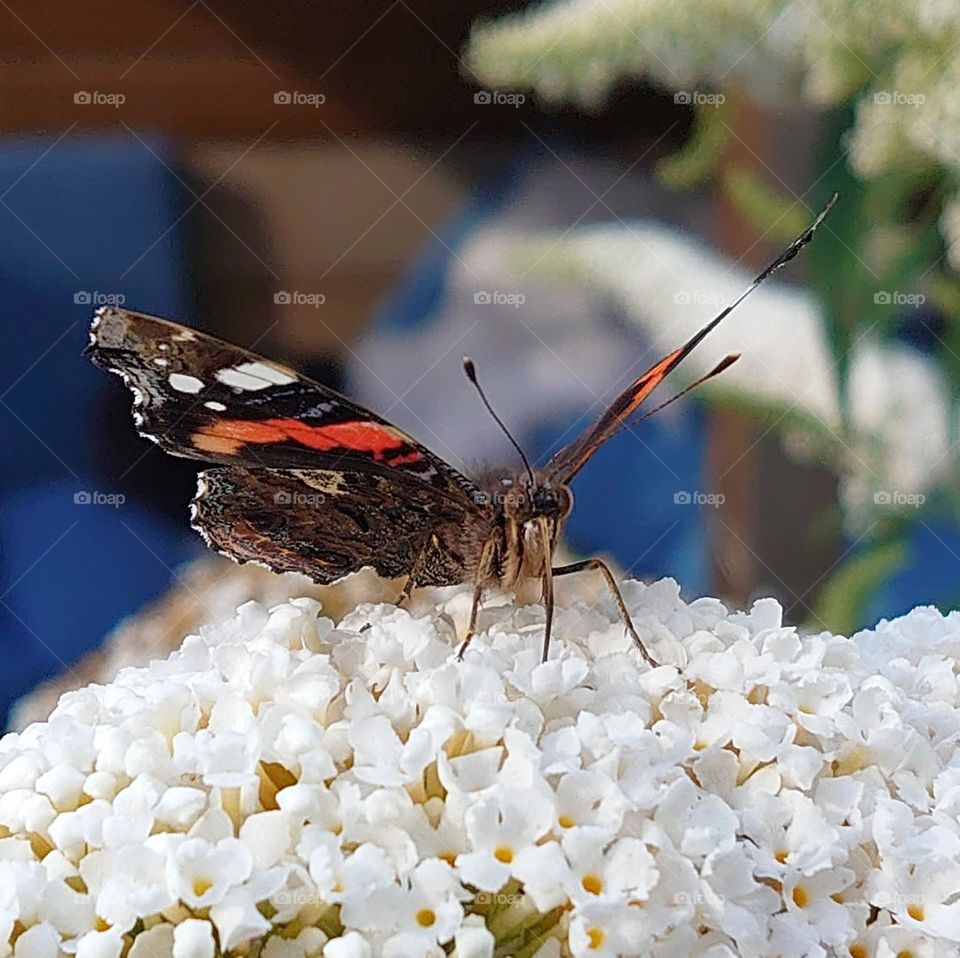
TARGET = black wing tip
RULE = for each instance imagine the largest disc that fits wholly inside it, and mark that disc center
(108, 330)
(798, 244)
(821, 216)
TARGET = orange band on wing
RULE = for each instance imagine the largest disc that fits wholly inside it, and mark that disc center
(648, 382)
(228, 435)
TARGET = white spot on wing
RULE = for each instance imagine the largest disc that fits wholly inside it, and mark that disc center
(160, 361)
(215, 406)
(252, 376)
(185, 384)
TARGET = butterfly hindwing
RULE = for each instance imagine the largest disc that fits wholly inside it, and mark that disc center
(202, 398)
(326, 524)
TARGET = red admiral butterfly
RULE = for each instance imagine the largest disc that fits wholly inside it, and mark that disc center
(307, 481)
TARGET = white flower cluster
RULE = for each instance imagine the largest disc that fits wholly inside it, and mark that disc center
(289, 787)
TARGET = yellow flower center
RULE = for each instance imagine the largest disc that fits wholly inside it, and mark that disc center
(595, 936)
(503, 854)
(915, 911)
(781, 856)
(592, 884)
(858, 951)
(566, 821)
(201, 886)
(426, 918)
(800, 897)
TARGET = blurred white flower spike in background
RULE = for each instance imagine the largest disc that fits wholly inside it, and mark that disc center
(897, 435)
(289, 786)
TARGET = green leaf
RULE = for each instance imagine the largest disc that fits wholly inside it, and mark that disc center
(843, 599)
(695, 163)
(774, 215)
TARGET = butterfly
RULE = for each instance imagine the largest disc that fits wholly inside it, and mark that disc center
(304, 480)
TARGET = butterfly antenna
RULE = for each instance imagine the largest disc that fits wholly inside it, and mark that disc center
(724, 363)
(788, 254)
(471, 372)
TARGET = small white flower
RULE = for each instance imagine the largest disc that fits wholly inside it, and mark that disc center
(237, 919)
(155, 942)
(201, 873)
(135, 886)
(601, 867)
(811, 900)
(421, 912)
(193, 938)
(607, 930)
(38, 941)
(100, 944)
(350, 945)
(350, 877)
(500, 827)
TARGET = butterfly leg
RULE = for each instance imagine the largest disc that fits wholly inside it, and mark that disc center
(547, 581)
(617, 595)
(416, 570)
(482, 577)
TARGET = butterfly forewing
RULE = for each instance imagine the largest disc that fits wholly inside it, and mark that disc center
(199, 397)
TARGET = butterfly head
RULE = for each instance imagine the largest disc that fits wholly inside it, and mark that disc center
(524, 501)
(550, 502)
